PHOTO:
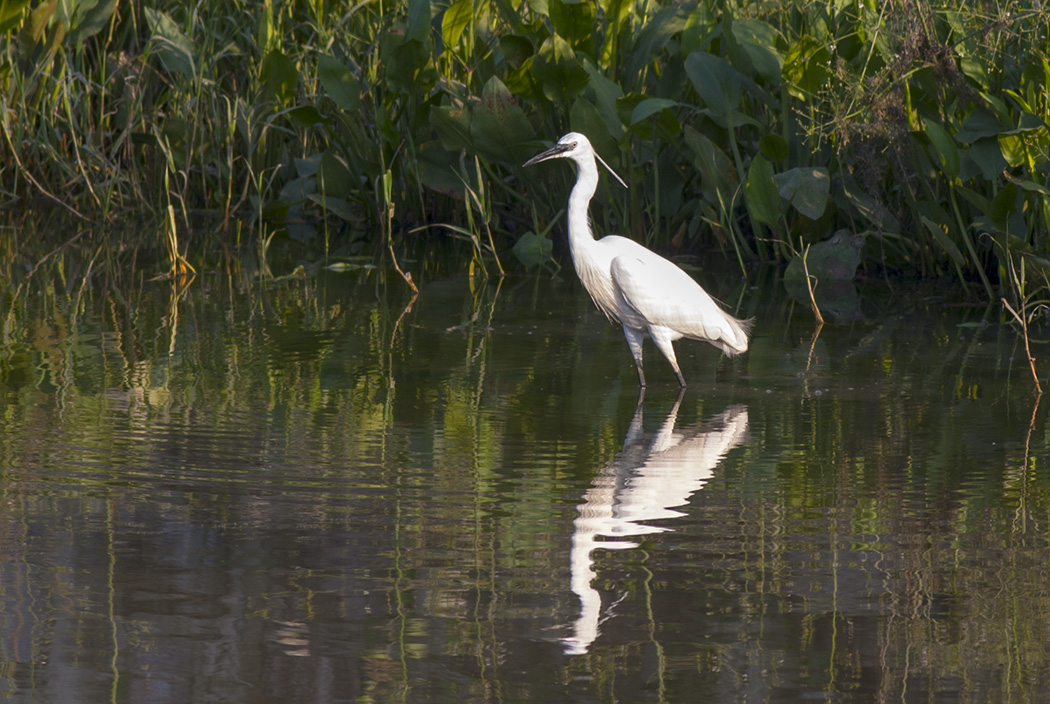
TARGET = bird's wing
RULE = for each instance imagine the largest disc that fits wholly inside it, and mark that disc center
(663, 295)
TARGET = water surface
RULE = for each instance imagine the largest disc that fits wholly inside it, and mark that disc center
(316, 489)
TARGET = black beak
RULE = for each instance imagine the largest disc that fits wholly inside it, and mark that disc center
(555, 151)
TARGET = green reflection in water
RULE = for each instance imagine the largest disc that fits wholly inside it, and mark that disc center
(251, 489)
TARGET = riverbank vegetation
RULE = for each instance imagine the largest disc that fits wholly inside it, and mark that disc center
(915, 131)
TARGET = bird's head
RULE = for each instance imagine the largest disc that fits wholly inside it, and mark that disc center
(576, 147)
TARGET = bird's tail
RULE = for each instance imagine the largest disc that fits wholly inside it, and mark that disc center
(734, 337)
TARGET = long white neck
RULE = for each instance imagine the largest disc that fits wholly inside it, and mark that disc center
(579, 227)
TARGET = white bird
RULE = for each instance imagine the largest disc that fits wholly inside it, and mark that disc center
(634, 286)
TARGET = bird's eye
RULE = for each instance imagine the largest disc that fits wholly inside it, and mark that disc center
(573, 145)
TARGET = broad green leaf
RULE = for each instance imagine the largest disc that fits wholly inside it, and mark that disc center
(90, 19)
(585, 119)
(759, 40)
(650, 107)
(806, 188)
(498, 126)
(455, 21)
(868, 207)
(947, 153)
(944, 241)
(558, 70)
(532, 249)
(986, 156)
(174, 49)
(333, 177)
(338, 82)
(11, 13)
(280, 76)
(763, 199)
(452, 124)
(573, 20)
(604, 94)
(773, 147)
(717, 83)
(716, 169)
(653, 37)
(806, 67)
(419, 16)
(305, 115)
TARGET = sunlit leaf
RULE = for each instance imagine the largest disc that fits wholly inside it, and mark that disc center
(11, 13)
(455, 21)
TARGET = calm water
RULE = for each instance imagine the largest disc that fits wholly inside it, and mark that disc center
(303, 490)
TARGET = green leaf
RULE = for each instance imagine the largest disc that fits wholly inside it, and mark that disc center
(585, 119)
(558, 71)
(419, 16)
(773, 147)
(944, 241)
(573, 20)
(174, 49)
(338, 82)
(455, 22)
(763, 199)
(806, 188)
(759, 40)
(333, 177)
(946, 150)
(91, 19)
(717, 83)
(649, 107)
(604, 94)
(11, 13)
(280, 76)
(532, 249)
(499, 126)
(452, 124)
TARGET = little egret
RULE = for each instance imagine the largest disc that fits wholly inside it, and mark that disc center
(633, 286)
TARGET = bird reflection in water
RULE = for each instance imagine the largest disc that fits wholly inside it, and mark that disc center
(645, 482)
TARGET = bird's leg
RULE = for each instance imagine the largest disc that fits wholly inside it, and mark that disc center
(634, 341)
(663, 343)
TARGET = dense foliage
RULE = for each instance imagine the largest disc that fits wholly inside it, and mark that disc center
(917, 132)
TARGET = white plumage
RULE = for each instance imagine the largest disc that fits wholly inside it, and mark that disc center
(633, 286)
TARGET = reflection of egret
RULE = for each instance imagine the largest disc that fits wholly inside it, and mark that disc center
(643, 483)
(633, 286)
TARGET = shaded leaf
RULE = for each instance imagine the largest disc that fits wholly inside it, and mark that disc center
(174, 49)
(532, 249)
(717, 83)
(763, 199)
(558, 70)
(806, 189)
(338, 82)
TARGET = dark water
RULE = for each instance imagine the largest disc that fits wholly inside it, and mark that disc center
(301, 490)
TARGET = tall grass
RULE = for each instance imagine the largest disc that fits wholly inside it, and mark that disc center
(752, 128)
